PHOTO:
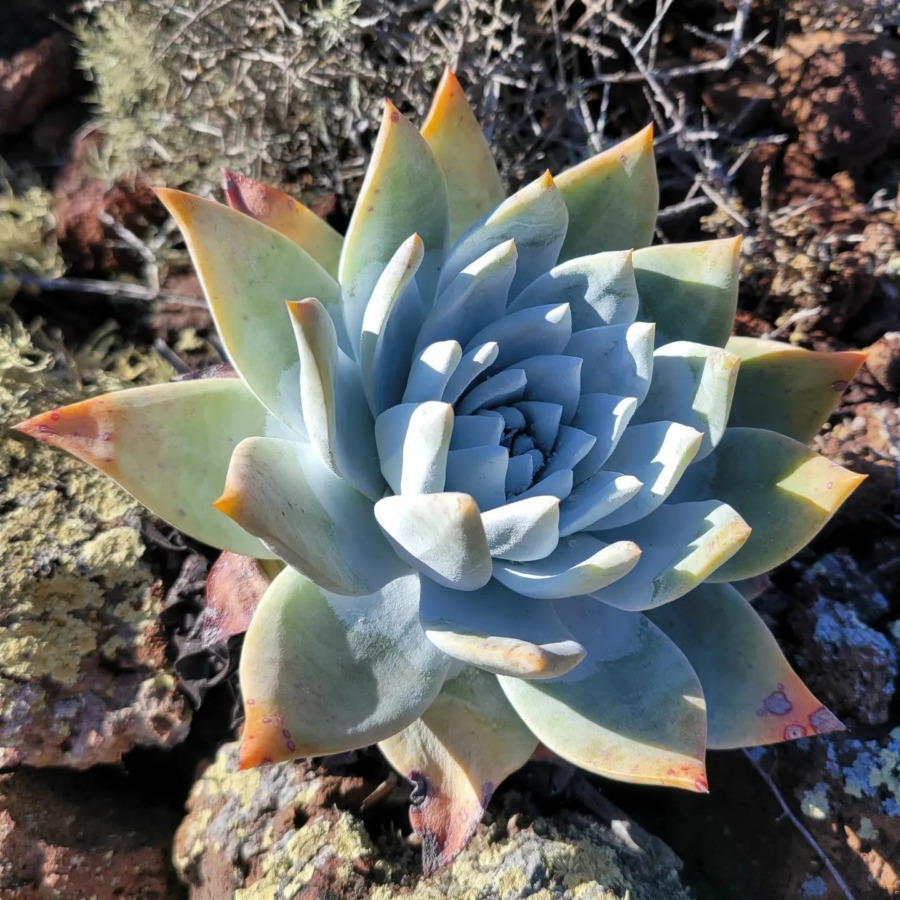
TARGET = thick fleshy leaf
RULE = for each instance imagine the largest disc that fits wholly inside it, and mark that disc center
(499, 631)
(657, 454)
(476, 431)
(633, 710)
(458, 144)
(287, 216)
(169, 446)
(480, 472)
(572, 445)
(473, 364)
(441, 535)
(543, 420)
(404, 193)
(317, 348)
(431, 370)
(612, 198)
(541, 329)
(579, 565)
(553, 379)
(464, 745)
(558, 485)
(281, 492)
(595, 498)
(523, 530)
(337, 417)
(323, 673)
(605, 416)
(599, 289)
(248, 271)
(234, 587)
(692, 384)
(499, 389)
(413, 440)
(689, 290)
(753, 696)
(788, 389)
(390, 325)
(534, 218)
(682, 545)
(475, 298)
(783, 490)
(618, 359)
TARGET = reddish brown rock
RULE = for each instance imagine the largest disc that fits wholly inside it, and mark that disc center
(71, 836)
(841, 92)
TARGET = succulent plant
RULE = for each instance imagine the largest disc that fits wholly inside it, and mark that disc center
(518, 471)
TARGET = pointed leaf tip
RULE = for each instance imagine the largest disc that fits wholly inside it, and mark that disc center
(265, 739)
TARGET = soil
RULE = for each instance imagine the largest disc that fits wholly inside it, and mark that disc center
(822, 269)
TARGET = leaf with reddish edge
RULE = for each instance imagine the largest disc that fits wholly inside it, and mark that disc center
(782, 490)
(753, 696)
(234, 587)
(323, 673)
(788, 389)
(458, 144)
(456, 754)
(168, 445)
(287, 216)
(633, 710)
(689, 290)
(612, 198)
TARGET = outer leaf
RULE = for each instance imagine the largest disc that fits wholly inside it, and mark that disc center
(783, 490)
(281, 492)
(441, 535)
(169, 446)
(248, 271)
(404, 193)
(287, 216)
(682, 545)
(458, 144)
(692, 384)
(689, 290)
(787, 389)
(499, 631)
(535, 218)
(753, 695)
(321, 673)
(633, 710)
(464, 745)
(612, 198)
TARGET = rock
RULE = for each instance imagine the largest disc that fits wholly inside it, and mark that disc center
(883, 361)
(853, 808)
(84, 676)
(841, 92)
(844, 657)
(77, 835)
(273, 832)
(33, 79)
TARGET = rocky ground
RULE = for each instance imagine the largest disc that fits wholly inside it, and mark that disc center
(115, 779)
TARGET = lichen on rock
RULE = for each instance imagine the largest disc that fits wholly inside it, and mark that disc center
(276, 832)
(81, 646)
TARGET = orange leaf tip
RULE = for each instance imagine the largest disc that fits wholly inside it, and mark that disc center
(85, 429)
(265, 738)
(230, 503)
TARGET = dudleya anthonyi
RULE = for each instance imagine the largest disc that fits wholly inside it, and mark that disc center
(512, 460)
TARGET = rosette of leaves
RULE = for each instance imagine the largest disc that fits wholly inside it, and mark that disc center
(511, 459)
